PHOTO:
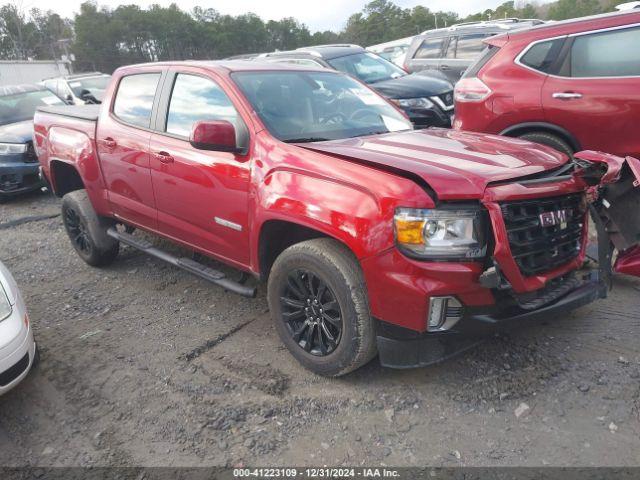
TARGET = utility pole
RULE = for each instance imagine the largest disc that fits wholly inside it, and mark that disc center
(436, 17)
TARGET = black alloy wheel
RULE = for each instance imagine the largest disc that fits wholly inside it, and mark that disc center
(311, 313)
(78, 232)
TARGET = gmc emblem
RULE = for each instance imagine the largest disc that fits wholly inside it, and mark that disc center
(558, 217)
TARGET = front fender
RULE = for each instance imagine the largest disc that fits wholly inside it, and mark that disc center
(346, 212)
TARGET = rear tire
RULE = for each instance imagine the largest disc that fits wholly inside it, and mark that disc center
(550, 140)
(342, 336)
(87, 230)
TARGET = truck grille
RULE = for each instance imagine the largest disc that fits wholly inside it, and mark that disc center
(544, 233)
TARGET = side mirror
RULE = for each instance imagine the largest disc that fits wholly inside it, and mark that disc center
(216, 135)
(69, 99)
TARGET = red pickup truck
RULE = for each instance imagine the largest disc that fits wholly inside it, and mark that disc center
(373, 238)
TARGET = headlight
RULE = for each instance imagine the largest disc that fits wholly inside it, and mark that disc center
(441, 234)
(413, 102)
(5, 306)
(12, 148)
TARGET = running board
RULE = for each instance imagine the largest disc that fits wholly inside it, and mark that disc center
(191, 266)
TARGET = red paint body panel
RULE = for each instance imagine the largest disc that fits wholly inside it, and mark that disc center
(628, 262)
(348, 190)
(604, 118)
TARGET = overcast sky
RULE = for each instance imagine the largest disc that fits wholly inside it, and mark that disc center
(316, 14)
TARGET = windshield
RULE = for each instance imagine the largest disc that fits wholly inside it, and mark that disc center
(368, 67)
(298, 106)
(96, 85)
(21, 106)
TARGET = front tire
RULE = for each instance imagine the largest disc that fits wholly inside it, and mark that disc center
(87, 230)
(318, 301)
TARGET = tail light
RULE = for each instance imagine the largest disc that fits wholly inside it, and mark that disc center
(471, 90)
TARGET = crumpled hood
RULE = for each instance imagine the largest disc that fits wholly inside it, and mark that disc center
(456, 165)
(412, 86)
(21, 132)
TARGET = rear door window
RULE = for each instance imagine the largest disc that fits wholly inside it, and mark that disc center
(606, 54)
(468, 47)
(430, 48)
(134, 99)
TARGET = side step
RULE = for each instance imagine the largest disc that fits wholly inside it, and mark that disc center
(191, 266)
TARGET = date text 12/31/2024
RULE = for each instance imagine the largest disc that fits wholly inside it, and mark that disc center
(324, 472)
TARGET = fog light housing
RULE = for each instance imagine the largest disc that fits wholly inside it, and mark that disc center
(444, 313)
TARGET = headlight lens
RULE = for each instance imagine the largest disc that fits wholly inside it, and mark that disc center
(12, 148)
(414, 102)
(5, 306)
(441, 234)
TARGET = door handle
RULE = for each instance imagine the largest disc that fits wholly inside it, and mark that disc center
(444, 67)
(566, 95)
(109, 142)
(163, 157)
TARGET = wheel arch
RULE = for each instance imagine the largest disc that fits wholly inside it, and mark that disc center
(65, 177)
(277, 235)
(530, 127)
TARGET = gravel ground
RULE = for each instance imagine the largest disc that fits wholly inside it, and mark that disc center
(145, 365)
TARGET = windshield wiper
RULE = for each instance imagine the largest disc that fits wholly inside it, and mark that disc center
(306, 140)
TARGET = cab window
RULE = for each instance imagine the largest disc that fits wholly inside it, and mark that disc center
(134, 99)
(196, 98)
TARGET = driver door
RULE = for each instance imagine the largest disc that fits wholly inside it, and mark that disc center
(202, 196)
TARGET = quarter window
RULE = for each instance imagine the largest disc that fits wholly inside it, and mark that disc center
(134, 100)
(606, 54)
(542, 55)
(194, 99)
(430, 48)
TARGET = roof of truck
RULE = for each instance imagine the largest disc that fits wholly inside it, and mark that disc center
(230, 65)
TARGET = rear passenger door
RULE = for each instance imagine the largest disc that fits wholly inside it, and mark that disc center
(427, 55)
(596, 92)
(122, 138)
(462, 51)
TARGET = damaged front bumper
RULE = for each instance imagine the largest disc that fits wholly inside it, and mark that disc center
(401, 348)
(614, 191)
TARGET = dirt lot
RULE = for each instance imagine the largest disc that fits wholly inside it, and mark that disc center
(143, 364)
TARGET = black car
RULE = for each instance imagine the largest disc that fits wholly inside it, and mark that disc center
(427, 101)
(18, 161)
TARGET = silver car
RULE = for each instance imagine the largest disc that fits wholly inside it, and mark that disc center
(18, 352)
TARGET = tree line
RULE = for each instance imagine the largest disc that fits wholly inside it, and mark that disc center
(103, 39)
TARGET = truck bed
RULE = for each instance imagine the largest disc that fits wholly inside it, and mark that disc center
(82, 112)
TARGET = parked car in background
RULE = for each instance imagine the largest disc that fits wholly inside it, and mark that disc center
(628, 6)
(18, 351)
(451, 50)
(572, 85)
(18, 161)
(427, 101)
(394, 51)
(79, 89)
(373, 238)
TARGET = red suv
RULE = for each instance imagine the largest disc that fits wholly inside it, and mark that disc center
(572, 85)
